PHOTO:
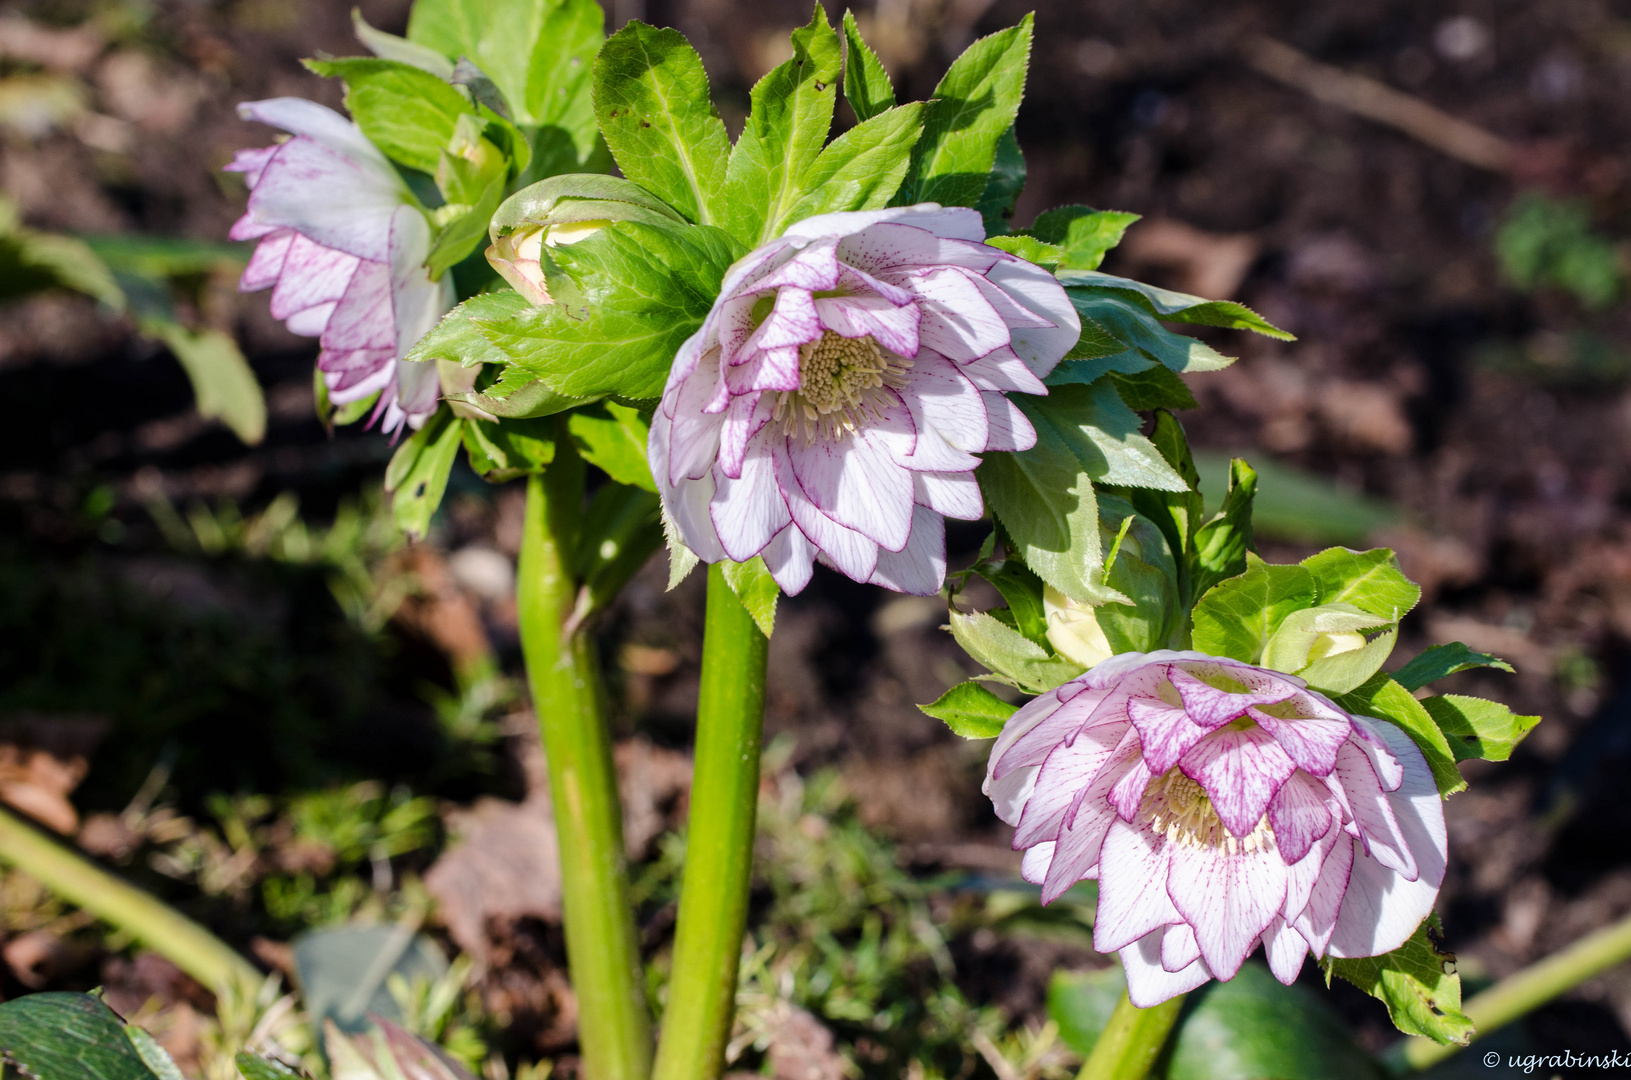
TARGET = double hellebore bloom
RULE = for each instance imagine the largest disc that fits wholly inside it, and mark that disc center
(343, 248)
(832, 403)
(1220, 806)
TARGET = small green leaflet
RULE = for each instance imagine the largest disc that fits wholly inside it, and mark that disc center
(622, 528)
(753, 585)
(1237, 617)
(1175, 306)
(461, 235)
(67, 1035)
(862, 168)
(457, 337)
(1105, 436)
(1142, 569)
(1477, 728)
(259, 1068)
(613, 437)
(1383, 698)
(791, 113)
(971, 711)
(972, 107)
(405, 111)
(651, 98)
(1030, 249)
(866, 84)
(1435, 663)
(417, 474)
(1137, 329)
(1013, 658)
(1369, 580)
(1220, 546)
(1155, 387)
(224, 386)
(508, 449)
(1082, 234)
(1417, 982)
(1022, 590)
(390, 47)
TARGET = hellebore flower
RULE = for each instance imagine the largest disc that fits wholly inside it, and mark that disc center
(343, 248)
(1219, 806)
(832, 403)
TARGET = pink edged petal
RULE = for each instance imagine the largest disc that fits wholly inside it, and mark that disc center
(1031, 734)
(247, 228)
(1372, 810)
(742, 278)
(1211, 706)
(1149, 983)
(318, 123)
(1299, 816)
(1319, 918)
(735, 325)
(693, 445)
(888, 250)
(1128, 794)
(250, 161)
(790, 558)
(748, 511)
(1133, 894)
(1067, 776)
(792, 322)
(363, 319)
(1389, 770)
(768, 369)
(1086, 823)
(851, 553)
(948, 413)
(1179, 948)
(1304, 874)
(1041, 348)
(814, 268)
(267, 262)
(858, 483)
(1311, 742)
(1009, 428)
(744, 418)
(1017, 316)
(311, 275)
(1229, 900)
(1034, 866)
(954, 495)
(853, 281)
(1382, 909)
(918, 569)
(356, 374)
(686, 360)
(1167, 731)
(1023, 722)
(1003, 370)
(418, 302)
(1241, 772)
(687, 505)
(893, 327)
(957, 322)
(328, 198)
(1285, 950)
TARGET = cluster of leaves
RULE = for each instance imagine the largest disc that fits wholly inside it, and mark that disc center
(1546, 244)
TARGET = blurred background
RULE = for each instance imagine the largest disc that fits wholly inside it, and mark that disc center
(222, 673)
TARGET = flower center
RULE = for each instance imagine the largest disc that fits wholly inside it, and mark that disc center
(1178, 808)
(842, 384)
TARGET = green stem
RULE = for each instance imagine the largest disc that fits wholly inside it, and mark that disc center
(1528, 989)
(160, 927)
(1131, 1041)
(614, 1027)
(719, 846)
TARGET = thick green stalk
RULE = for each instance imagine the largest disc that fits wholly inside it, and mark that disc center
(1131, 1041)
(1526, 990)
(614, 1027)
(160, 927)
(719, 847)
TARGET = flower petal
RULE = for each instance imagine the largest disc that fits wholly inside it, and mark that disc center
(311, 275)
(1041, 348)
(1241, 772)
(1311, 741)
(790, 558)
(1285, 950)
(748, 511)
(954, 495)
(919, 568)
(1003, 370)
(1229, 900)
(318, 123)
(267, 263)
(851, 553)
(352, 215)
(1069, 771)
(1354, 781)
(1319, 918)
(857, 482)
(1211, 705)
(1009, 428)
(1034, 866)
(1299, 817)
(1149, 983)
(948, 413)
(1133, 894)
(890, 325)
(958, 322)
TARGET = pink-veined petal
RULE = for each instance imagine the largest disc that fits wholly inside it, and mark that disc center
(1149, 983)
(1228, 899)
(1179, 948)
(1241, 772)
(954, 495)
(267, 262)
(748, 511)
(790, 558)
(1319, 918)
(858, 484)
(1285, 950)
(1372, 810)
(1299, 816)
(1133, 894)
(1009, 428)
(311, 275)
(1042, 347)
(918, 569)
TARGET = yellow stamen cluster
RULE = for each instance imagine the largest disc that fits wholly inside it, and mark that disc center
(1178, 808)
(841, 386)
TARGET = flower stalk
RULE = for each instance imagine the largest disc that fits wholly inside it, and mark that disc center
(1524, 991)
(160, 927)
(719, 848)
(614, 1026)
(1131, 1041)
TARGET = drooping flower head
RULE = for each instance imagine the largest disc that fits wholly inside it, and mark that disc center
(831, 405)
(1220, 806)
(343, 248)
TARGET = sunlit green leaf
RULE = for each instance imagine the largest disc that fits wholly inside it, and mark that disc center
(1477, 728)
(1417, 982)
(866, 84)
(758, 591)
(1009, 654)
(1369, 580)
(1382, 697)
(996, 205)
(1175, 306)
(1237, 617)
(971, 711)
(1220, 547)
(417, 474)
(1435, 663)
(69, 1036)
(407, 112)
(613, 437)
(509, 448)
(862, 168)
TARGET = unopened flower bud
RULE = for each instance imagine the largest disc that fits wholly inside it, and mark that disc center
(1073, 629)
(519, 256)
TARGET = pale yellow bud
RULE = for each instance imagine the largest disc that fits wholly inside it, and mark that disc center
(519, 256)
(1073, 629)
(1333, 642)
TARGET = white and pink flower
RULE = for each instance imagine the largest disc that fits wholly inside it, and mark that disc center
(832, 404)
(1219, 806)
(343, 248)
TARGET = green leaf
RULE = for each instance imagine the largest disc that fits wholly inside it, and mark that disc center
(1143, 570)
(1221, 545)
(1300, 506)
(681, 559)
(1045, 501)
(72, 1036)
(417, 474)
(1292, 646)
(1137, 329)
(1237, 617)
(621, 529)
(1033, 250)
(971, 711)
(1176, 513)
(787, 126)
(509, 448)
(862, 168)
(1476, 728)
(1081, 1004)
(1175, 306)
(259, 1068)
(1105, 434)
(155, 1057)
(1383, 698)
(1022, 590)
(753, 585)
(407, 112)
(1436, 662)
(1007, 180)
(651, 98)
(1369, 580)
(224, 387)
(645, 289)
(390, 47)
(1015, 658)
(613, 437)
(519, 395)
(459, 237)
(456, 337)
(972, 107)
(579, 197)
(1084, 235)
(1155, 387)
(32, 262)
(866, 84)
(1417, 982)
(331, 416)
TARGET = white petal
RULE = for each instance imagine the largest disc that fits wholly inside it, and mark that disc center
(958, 321)
(790, 558)
(1179, 948)
(687, 506)
(1319, 918)
(747, 512)
(310, 275)
(1003, 370)
(944, 404)
(951, 222)
(310, 322)
(329, 198)
(1229, 900)
(858, 485)
(1034, 867)
(1133, 894)
(1285, 951)
(1355, 782)
(1035, 288)
(854, 555)
(1067, 773)
(419, 302)
(363, 319)
(954, 495)
(1148, 983)
(1010, 429)
(1085, 825)
(693, 444)
(1371, 740)
(319, 123)
(919, 568)
(267, 262)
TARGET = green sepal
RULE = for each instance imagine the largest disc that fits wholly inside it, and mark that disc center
(1174, 306)
(407, 112)
(578, 197)
(753, 585)
(971, 711)
(1417, 982)
(459, 237)
(1012, 657)
(866, 84)
(1478, 728)
(1135, 328)
(1383, 698)
(1290, 647)
(509, 448)
(613, 438)
(621, 529)
(1022, 590)
(1031, 250)
(1435, 663)
(972, 108)
(417, 474)
(1221, 545)
(1237, 617)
